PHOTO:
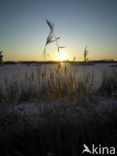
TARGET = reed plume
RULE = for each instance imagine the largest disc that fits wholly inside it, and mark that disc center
(51, 38)
(85, 55)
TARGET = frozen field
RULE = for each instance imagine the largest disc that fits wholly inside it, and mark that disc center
(19, 72)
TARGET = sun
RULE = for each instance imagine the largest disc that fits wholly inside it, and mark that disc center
(62, 57)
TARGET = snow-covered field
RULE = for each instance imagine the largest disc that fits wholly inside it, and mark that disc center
(19, 72)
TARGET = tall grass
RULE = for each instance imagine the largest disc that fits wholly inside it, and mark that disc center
(60, 84)
(69, 118)
(85, 55)
(59, 139)
(50, 39)
(70, 121)
(109, 84)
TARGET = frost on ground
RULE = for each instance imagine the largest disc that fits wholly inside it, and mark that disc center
(18, 72)
(102, 107)
(54, 110)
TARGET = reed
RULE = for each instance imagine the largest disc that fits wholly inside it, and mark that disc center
(69, 122)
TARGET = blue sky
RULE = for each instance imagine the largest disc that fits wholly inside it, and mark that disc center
(23, 30)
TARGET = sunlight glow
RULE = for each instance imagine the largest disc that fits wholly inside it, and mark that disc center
(62, 57)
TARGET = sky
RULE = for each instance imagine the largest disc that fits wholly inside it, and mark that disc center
(23, 28)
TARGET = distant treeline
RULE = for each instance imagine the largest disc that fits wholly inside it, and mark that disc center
(56, 62)
(95, 61)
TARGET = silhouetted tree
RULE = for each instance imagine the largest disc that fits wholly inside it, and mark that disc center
(1, 57)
